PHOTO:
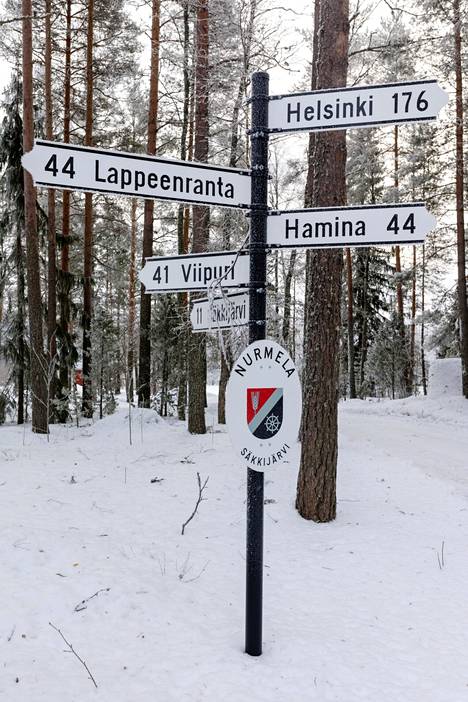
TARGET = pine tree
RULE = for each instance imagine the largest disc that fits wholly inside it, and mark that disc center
(316, 490)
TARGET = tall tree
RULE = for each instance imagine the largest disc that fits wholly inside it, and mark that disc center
(87, 403)
(144, 371)
(35, 309)
(461, 242)
(316, 489)
(201, 220)
(64, 277)
(51, 234)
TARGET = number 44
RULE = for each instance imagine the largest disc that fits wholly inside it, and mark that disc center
(67, 169)
(408, 226)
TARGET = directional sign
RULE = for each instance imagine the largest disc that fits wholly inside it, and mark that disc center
(57, 165)
(263, 405)
(220, 312)
(162, 274)
(350, 226)
(363, 106)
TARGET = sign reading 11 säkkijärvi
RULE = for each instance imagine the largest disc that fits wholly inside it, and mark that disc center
(222, 312)
(65, 166)
(360, 106)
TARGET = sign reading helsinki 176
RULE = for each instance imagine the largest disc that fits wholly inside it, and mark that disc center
(361, 106)
(263, 405)
(65, 166)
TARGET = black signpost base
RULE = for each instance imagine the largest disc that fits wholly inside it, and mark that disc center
(258, 224)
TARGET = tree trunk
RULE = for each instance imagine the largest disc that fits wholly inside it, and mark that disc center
(461, 243)
(286, 331)
(423, 303)
(201, 220)
(131, 301)
(183, 230)
(38, 361)
(51, 235)
(65, 295)
(316, 488)
(87, 401)
(404, 380)
(350, 316)
(20, 307)
(144, 372)
(412, 353)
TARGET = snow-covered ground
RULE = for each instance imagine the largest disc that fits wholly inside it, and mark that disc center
(372, 607)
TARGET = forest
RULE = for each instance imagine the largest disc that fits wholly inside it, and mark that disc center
(110, 376)
(128, 77)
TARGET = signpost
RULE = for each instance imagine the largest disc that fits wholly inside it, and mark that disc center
(70, 167)
(362, 106)
(350, 226)
(264, 388)
(220, 312)
(257, 331)
(165, 274)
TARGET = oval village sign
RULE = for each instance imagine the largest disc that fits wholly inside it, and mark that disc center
(263, 405)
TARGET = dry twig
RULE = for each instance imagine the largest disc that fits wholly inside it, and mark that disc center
(200, 499)
(70, 646)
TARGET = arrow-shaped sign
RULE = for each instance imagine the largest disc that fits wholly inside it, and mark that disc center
(363, 106)
(195, 271)
(350, 226)
(220, 312)
(68, 167)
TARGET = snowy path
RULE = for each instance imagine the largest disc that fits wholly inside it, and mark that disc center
(359, 610)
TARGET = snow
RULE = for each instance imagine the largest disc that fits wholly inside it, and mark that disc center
(370, 607)
(445, 377)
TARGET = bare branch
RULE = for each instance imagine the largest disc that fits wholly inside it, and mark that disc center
(200, 499)
(70, 646)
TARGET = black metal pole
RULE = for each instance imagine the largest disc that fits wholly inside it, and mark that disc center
(257, 329)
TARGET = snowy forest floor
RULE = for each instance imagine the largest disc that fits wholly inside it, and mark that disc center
(372, 607)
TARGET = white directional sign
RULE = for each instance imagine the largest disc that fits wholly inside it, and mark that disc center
(263, 405)
(162, 274)
(57, 165)
(220, 312)
(350, 226)
(363, 106)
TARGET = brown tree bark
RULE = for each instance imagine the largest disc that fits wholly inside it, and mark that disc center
(131, 301)
(286, 331)
(412, 349)
(404, 380)
(38, 361)
(316, 488)
(65, 296)
(87, 399)
(350, 320)
(423, 323)
(20, 307)
(144, 370)
(51, 222)
(182, 229)
(201, 221)
(461, 241)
